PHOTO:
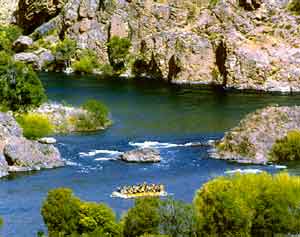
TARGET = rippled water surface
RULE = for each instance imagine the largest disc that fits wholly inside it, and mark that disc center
(145, 113)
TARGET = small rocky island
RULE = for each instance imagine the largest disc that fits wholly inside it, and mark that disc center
(141, 155)
(253, 139)
(18, 154)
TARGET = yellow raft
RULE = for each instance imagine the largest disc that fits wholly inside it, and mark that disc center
(139, 195)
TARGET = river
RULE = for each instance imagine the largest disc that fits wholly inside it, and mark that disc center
(144, 113)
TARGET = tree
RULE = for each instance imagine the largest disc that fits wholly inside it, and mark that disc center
(66, 215)
(20, 87)
(61, 212)
(177, 219)
(118, 50)
(249, 205)
(143, 218)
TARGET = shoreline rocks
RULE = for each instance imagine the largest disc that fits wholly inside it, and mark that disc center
(67, 119)
(141, 155)
(252, 140)
(18, 154)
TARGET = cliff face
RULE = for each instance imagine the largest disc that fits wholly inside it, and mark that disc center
(7, 8)
(243, 44)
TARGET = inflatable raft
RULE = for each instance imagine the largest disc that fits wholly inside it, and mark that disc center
(139, 195)
(141, 190)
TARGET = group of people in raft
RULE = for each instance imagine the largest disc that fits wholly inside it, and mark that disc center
(141, 189)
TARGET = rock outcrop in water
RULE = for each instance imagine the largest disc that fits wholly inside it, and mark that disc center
(20, 154)
(251, 141)
(142, 155)
(68, 119)
(231, 43)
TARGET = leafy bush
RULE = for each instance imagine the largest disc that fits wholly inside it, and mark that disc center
(64, 51)
(118, 50)
(294, 6)
(98, 111)
(20, 87)
(288, 148)
(249, 205)
(64, 214)
(143, 218)
(61, 212)
(8, 34)
(35, 125)
(1, 222)
(86, 63)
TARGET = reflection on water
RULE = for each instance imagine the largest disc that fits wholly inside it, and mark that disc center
(145, 113)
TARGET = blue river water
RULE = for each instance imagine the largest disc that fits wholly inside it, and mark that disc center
(145, 114)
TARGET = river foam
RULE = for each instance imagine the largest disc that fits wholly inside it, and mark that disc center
(97, 152)
(163, 145)
(244, 171)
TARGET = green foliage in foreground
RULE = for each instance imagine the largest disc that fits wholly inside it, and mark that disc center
(1, 222)
(8, 34)
(249, 205)
(35, 125)
(66, 215)
(241, 205)
(97, 117)
(143, 218)
(288, 148)
(294, 6)
(20, 87)
(118, 51)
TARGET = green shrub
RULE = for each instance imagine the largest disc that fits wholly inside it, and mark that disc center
(1, 222)
(288, 148)
(107, 70)
(66, 215)
(294, 6)
(118, 51)
(35, 125)
(249, 205)
(20, 87)
(8, 34)
(64, 51)
(61, 212)
(86, 63)
(98, 111)
(143, 218)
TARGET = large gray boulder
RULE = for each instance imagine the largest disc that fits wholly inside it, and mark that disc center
(142, 155)
(20, 154)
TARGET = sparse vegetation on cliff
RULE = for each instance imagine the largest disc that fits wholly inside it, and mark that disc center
(294, 6)
(118, 51)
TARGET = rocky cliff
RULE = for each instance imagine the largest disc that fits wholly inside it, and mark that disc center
(243, 44)
(20, 154)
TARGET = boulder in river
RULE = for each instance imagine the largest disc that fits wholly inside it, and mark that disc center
(141, 155)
